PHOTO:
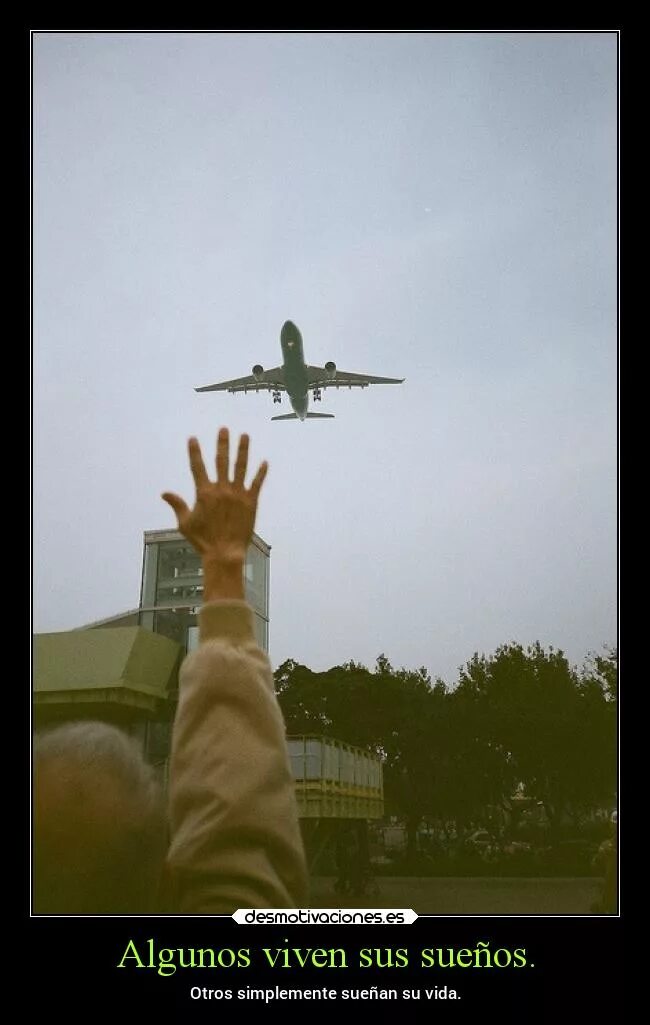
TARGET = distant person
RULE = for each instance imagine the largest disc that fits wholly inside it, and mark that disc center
(606, 862)
(353, 860)
(360, 866)
(100, 831)
(346, 850)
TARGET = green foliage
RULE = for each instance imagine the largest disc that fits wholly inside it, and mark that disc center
(602, 671)
(552, 728)
(519, 716)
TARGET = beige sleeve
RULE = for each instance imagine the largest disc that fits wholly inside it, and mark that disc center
(234, 822)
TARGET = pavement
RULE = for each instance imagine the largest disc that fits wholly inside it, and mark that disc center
(469, 896)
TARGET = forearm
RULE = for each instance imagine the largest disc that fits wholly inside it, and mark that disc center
(235, 834)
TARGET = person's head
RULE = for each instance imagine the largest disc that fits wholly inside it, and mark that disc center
(99, 823)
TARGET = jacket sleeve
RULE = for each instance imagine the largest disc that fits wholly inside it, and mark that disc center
(235, 838)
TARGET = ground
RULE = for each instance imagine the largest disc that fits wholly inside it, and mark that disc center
(463, 896)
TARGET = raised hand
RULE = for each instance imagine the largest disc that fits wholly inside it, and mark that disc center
(220, 526)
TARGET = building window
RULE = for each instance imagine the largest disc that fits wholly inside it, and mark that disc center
(256, 579)
(172, 589)
(192, 638)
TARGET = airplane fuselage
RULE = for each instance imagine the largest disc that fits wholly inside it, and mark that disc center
(295, 371)
(297, 379)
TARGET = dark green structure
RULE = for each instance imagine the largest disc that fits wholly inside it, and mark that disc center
(126, 676)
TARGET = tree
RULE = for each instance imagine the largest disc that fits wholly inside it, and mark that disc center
(389, 712)
(602, 670)
(598, 691)
(517, 716)
(547, 724)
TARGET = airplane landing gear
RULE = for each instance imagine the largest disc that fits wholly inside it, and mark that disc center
(277, 397)
(317, 395)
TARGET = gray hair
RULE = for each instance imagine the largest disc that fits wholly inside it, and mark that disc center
(99, 823)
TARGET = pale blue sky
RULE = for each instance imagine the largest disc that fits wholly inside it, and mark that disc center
(439, 207)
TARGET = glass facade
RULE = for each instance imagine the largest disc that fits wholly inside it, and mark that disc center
(172, 587)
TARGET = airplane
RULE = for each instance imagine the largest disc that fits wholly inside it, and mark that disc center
(297, 379)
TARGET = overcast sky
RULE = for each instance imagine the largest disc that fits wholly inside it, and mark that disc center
(436, 207)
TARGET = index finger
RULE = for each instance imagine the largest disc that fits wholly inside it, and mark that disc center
(196, 463)
(258, 479)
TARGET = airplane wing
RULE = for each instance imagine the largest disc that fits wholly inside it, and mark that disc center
(271, 380)
(320, 376)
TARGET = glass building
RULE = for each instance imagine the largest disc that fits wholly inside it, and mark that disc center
(172, 587)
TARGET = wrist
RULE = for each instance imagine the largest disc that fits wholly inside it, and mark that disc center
(223, 578)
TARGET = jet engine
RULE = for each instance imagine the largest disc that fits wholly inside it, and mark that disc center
(331, 370)
(258, 372)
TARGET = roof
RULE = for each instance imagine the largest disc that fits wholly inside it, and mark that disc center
(158, 536)
(133, 664)
(117, 619)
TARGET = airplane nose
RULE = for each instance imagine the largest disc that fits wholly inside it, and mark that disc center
(289, 334)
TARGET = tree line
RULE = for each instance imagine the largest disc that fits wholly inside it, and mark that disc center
(521, 716)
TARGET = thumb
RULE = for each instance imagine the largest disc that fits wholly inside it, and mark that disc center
(177, 504)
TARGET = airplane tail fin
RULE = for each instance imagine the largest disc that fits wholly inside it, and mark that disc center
(310, 416)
